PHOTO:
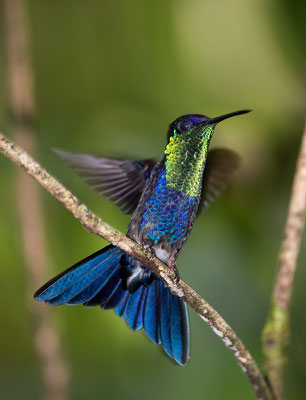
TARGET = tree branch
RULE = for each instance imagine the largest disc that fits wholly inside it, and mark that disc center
(95, 225)
(20, 82)
(276, 330)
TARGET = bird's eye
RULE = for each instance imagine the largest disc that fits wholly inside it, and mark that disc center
(184, 125)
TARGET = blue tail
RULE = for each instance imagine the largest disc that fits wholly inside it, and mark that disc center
(96, 281)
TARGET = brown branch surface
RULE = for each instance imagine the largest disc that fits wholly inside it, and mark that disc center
(22, 110)
(95, 225)
(276, 330)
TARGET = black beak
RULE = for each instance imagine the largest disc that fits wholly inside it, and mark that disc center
(225, 116)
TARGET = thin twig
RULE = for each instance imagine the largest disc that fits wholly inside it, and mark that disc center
(276, 330)
(22, 108)
(96, 226)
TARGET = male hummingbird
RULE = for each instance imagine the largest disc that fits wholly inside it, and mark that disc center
(164, 199)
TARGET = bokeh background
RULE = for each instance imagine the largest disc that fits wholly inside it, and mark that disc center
(109, 78)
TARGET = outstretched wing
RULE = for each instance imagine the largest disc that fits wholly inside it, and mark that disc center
(220, 166)
(122, 181)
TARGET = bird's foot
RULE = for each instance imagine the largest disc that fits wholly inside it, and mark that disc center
(171, 265)
(177, 277)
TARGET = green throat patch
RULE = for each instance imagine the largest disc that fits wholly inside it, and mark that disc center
(185, 160)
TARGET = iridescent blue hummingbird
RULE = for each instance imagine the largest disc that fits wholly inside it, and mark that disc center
(164, 198)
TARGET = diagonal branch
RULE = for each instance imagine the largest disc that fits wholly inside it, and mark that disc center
(95, 225)
(276, 331)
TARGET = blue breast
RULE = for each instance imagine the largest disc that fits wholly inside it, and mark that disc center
(166, 212)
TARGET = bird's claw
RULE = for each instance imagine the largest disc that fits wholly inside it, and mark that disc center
(177, 277)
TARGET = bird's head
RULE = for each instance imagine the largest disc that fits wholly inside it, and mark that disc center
(186, 150)
(197, 126)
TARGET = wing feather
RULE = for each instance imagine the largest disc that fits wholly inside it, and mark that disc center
(221, 164)
(121, 181)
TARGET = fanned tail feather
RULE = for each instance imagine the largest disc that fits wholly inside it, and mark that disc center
(96, 281)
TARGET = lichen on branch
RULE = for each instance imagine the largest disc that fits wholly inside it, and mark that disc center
(276, 332)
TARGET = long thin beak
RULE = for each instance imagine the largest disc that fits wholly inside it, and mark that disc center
(225, 116)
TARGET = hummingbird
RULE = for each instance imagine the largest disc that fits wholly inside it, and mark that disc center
(164, 199)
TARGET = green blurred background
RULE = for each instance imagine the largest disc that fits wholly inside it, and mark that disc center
(110, 76)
